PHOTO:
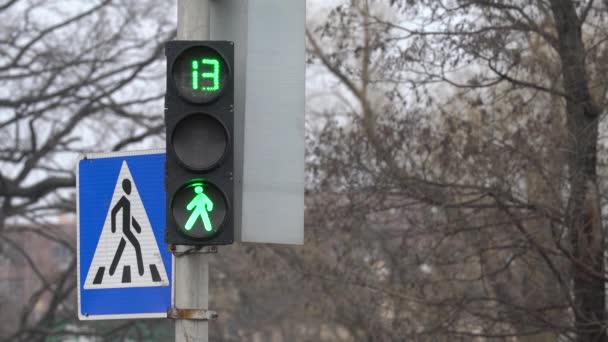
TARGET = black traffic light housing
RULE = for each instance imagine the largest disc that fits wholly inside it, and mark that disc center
(199, 167)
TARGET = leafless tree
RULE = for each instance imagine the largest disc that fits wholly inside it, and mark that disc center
(477, 122)
(76, 77)
(455, 181)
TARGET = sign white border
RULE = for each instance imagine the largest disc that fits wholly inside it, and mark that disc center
(119, 316)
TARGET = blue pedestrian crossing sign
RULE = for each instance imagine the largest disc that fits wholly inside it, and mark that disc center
(124, 268)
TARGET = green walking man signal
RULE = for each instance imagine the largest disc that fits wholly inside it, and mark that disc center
(200, 205)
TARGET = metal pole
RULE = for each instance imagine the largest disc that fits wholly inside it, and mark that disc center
(193, 19)
(192, 270)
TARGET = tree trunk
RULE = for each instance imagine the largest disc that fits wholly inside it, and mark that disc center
(586, 233)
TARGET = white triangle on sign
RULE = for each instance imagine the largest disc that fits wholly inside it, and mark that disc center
(116, 262)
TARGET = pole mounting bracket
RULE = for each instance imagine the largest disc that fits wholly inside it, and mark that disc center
(181, 250)
(192, 314)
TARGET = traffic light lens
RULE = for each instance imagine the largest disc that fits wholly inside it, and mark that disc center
(200, 74)
(199, 141)
(199, 209)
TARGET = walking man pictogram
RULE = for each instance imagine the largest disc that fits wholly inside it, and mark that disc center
(127, 220)
(200, 205)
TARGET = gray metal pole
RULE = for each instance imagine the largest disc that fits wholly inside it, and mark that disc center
(193, 19)
(192, 270)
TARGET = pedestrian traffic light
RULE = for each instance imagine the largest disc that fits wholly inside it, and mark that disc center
(199, 118)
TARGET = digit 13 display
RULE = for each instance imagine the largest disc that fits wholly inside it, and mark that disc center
(212, 76)
(200, 74)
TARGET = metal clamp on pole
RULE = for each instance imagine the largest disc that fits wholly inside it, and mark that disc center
(179, 250)
(192, 314)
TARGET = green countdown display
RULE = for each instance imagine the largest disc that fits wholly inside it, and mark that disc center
(214, 75)
(200, 74)
(199, 209)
